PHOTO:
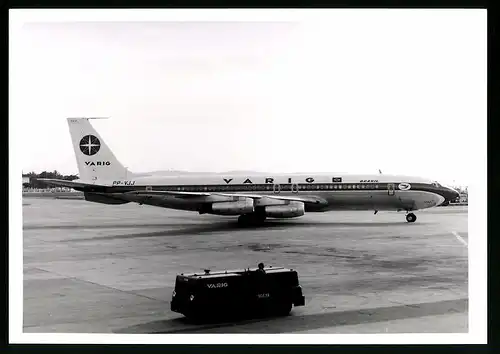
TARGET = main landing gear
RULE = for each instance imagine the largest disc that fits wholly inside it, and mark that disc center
(253, 219)
(410, 217)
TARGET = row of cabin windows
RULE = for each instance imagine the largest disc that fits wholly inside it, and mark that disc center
(273, 187)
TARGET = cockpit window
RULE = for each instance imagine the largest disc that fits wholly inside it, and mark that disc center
(435, 184)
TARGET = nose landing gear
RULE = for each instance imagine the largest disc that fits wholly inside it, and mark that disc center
(410, 217)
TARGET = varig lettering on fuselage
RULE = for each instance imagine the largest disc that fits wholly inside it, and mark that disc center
(97, 163)
(123, 183)
(216, 286)
(270, 180)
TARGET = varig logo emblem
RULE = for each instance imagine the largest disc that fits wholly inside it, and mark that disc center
(404, 186)
(90, 145)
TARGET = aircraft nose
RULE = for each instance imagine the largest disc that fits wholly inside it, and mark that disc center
(451, 194)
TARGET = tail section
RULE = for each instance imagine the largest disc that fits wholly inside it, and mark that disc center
(96, 162)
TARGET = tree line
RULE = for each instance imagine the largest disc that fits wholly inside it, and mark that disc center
(33, 183)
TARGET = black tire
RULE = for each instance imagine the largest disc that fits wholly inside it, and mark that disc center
(283, 309)
(251, 220)
(243, 220)
(411, 217)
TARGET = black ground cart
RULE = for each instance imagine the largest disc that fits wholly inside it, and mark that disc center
(259, 291)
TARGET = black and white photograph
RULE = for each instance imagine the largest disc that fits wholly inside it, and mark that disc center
(218, 176)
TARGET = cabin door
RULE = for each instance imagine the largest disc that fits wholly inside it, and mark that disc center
(390, 188)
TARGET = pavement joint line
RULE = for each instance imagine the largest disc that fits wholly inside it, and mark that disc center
(459, 238)
(104, 286)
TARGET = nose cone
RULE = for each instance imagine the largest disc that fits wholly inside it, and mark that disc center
(450, 194)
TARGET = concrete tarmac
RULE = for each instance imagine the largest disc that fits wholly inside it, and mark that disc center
(91, 268)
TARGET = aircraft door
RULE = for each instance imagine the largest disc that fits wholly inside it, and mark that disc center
(276, 188)
(390, 188)
(295, 188)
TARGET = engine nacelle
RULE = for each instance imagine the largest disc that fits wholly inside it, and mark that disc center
(239, 207)
(292, 210)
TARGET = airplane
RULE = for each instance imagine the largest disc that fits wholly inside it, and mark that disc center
(103, 179)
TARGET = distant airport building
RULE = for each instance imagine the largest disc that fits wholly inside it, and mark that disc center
(462, 199)
(26, 180)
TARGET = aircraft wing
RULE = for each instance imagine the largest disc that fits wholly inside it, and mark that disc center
(303, 199)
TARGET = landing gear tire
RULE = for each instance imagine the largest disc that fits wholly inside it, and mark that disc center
(411, 217)
(251, 219)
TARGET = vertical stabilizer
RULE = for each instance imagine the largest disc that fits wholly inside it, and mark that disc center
(96, 162)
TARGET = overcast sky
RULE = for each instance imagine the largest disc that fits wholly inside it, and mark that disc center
(352, 92)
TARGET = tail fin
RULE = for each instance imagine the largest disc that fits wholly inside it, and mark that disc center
(96, 161)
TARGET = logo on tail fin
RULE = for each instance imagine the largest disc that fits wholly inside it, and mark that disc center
(90, 145)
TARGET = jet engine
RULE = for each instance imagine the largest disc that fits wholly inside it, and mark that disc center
(244, 206)
(291, 210)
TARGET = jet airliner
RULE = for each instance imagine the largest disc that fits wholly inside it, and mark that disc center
(103, 179)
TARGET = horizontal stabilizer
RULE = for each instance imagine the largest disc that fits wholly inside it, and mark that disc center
(64, 183)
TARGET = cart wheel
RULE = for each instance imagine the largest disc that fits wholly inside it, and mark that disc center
(284, 309)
